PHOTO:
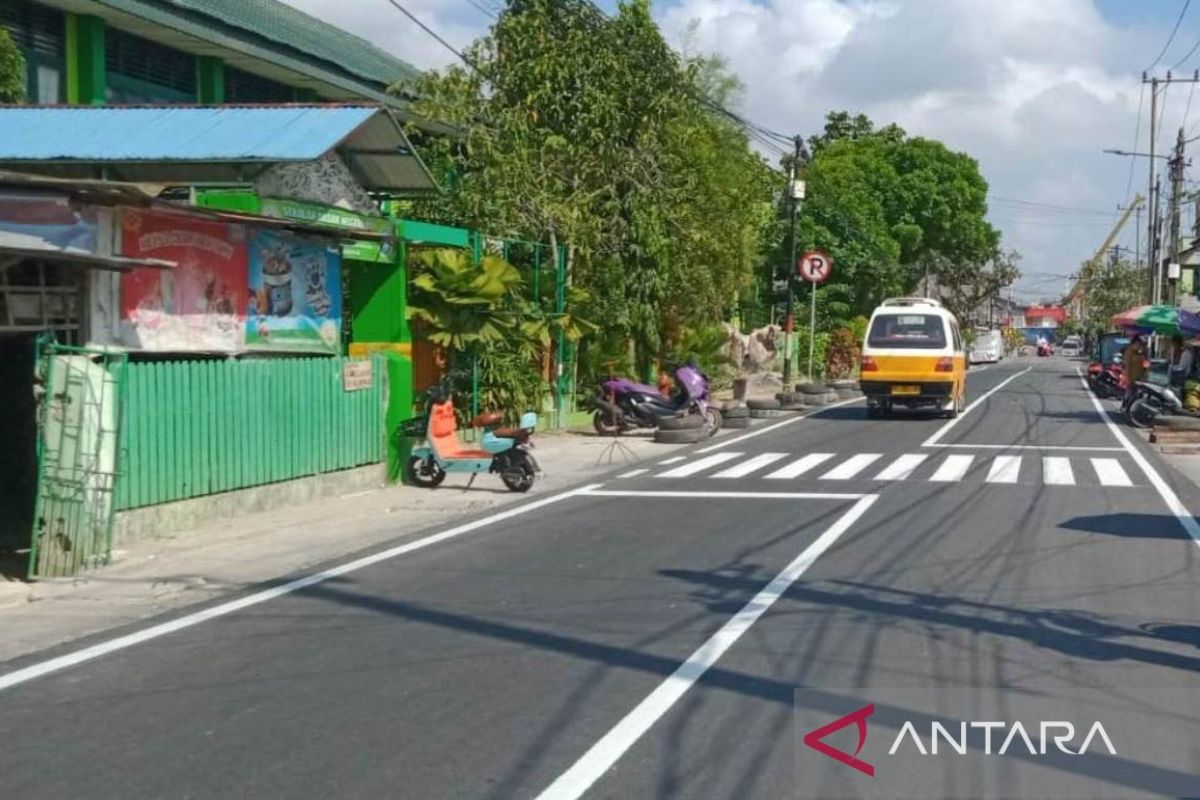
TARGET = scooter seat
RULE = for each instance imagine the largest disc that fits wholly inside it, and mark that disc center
(507, 433)
(488, 419)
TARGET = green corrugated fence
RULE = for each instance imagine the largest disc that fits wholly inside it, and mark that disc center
(193, 428)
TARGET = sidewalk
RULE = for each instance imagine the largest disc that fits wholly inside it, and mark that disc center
(155, 575)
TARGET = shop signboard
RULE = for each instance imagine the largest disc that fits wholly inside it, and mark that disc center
(295, 301)
(197, 306)
(47, 221)
(377, 251)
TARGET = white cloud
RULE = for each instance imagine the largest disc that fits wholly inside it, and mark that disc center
(1034, 89)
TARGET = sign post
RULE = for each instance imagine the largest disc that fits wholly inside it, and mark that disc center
(814, 267)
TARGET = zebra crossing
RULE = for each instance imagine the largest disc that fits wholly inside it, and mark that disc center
(1001, 469)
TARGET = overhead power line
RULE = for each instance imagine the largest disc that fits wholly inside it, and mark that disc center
(417, 21)
(1171, 38)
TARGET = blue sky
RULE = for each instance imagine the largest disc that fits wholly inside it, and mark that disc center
(1033, 89)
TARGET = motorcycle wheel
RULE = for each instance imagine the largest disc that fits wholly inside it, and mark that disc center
(712, 420)
(518, 475)
(605, 426)
(1142, 414)
(426, 474)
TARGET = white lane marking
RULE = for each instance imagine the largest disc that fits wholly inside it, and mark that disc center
(699, 466)
(902, 468)
(953, 469)
(1056, 471)
(726, 495)
(1065, 448)
(601, 756)
(1110, 472)
(778, 425)
(942, 431)
(851, 467)
(43, 668)
(675, 460)
(633, 473)
(1005, 469)
(752, 465)
(1165, 491)
(800, 466)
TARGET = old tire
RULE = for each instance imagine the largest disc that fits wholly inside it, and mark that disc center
(765, 413)
(762, 404)
(790, 399)
(681, 423)
(842, 383)
(683, 436)
(736, 423)
(812, 387)
(738, 412)
(1178, 423)
(847, 394)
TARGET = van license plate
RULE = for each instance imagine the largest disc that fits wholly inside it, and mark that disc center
(906, 390)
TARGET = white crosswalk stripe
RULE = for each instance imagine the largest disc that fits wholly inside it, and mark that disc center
(1110, 472)
(953, 469)
(752, 465)
(696, 467)
(801, 466)
(1056, 471)
(1000, 469)
(1005, 469)
(851, 467)
(902, 468)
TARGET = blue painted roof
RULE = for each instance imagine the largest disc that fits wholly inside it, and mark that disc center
(176, 133)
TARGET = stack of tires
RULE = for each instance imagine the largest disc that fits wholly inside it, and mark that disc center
(681, 430)
(764, 408)
(846, 389)
(736, 414)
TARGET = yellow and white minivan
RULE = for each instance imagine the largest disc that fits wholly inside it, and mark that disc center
(914, 356)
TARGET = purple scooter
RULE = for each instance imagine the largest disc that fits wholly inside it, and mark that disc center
(624, 405)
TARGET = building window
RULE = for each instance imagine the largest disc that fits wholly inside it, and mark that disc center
(142, 71)
(40, 32)
(246, 87)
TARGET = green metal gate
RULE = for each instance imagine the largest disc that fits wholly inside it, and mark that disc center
(79, 414)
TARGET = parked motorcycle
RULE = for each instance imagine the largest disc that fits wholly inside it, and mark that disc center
(624, 405)
(1149, 401)
(502, 451)
(1105, 380)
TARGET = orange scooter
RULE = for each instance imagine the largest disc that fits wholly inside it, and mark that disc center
(504, 451)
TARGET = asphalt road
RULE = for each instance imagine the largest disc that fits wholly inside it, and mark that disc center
(646, 636)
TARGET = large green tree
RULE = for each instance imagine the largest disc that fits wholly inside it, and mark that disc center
(891, 210)
(1110, 287)
(12, 70)
(592, 132)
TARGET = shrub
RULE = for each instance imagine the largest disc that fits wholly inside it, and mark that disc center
(841, 354)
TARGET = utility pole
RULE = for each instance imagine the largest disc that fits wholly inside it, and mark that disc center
(1151, 261)
(1177, 165)
(790, 322)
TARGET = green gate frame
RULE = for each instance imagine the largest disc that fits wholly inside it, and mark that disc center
(75, 500)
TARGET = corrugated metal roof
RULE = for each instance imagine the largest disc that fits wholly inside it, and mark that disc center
(189, 144)
(289, 28)
(176, 133)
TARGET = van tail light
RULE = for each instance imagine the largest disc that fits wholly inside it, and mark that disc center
(869, 365)
(945, 365)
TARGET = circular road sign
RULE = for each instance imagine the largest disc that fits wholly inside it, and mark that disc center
(815, 266)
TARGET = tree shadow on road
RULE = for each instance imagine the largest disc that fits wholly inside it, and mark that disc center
(1132, 526)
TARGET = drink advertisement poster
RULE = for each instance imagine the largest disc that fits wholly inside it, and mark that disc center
(295, 301)
(197, 306)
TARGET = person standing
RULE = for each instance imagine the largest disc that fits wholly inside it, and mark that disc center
(1133, 365)
(1181, 362)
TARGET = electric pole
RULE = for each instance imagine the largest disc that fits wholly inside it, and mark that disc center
(1177, 165)
(1151, 261)
(790, 321)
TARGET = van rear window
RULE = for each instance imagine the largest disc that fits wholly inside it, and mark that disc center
(921, 331)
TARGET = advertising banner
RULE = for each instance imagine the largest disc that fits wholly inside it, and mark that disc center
(295, 301)
(198, 306)
(43, 221)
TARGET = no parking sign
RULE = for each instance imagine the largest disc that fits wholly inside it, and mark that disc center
(815, 266)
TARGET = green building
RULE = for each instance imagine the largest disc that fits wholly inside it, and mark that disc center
(115, 52)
